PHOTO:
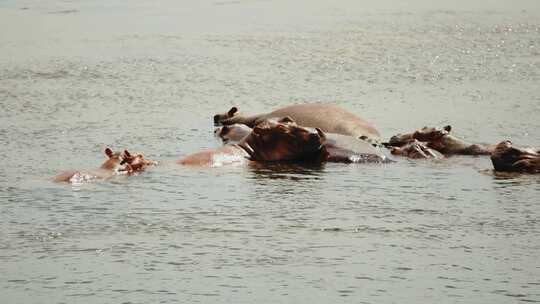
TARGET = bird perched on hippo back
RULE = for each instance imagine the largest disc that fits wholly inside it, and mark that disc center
(329, 118)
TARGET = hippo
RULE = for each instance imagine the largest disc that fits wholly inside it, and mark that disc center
(507, 158)
(441, 140)
(329, 118)
(269, 141)
(234, 133)
(340, 148)
(117, 163)
(423, 135)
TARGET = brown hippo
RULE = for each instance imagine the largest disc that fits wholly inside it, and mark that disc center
(340, 148)
(442, 141)
(273, 140)
(329, 118)
(136, 163)
(507, 158)
(117, 163)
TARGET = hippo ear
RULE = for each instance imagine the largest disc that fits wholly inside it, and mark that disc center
(126, 153)
(448, 128)
(109, 152)
(232, 111)
(286, 119)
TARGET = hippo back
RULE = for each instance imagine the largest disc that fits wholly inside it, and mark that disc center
(329, 118)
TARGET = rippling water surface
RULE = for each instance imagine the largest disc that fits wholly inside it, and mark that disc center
(77, 76)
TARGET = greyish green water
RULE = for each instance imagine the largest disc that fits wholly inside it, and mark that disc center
(77, 76)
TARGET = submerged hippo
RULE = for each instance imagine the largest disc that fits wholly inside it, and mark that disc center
(441, 140)
(507, 158)
(329, 118)
(116, 163)
(269, 141)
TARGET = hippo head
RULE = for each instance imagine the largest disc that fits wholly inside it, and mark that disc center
(135, 162)
(430, 134)
(225, 117)
(232, 133)
(507, 158)
(426, 134)
(284, 140)
(114, 160)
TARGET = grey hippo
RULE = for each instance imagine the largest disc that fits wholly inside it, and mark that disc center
(329, 118)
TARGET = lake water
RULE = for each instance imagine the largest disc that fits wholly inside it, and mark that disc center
(78, 76)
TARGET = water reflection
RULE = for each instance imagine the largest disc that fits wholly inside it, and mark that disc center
(284, 170)
(513, 179)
